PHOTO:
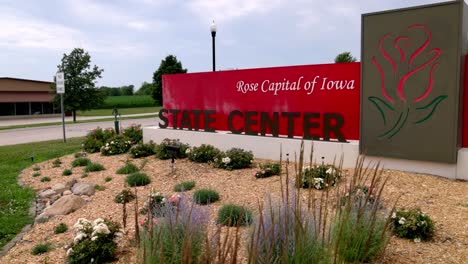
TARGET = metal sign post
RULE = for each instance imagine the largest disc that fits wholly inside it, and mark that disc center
(60, 84)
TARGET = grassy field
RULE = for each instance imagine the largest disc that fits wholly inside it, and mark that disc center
(130, 101)
(15, 200)
(122, 111)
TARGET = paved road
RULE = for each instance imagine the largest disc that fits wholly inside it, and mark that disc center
(34, 134)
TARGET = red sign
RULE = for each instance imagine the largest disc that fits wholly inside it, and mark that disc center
(311, 101)
(465, 107)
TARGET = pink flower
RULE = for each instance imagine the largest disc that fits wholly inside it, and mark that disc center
(174, 199)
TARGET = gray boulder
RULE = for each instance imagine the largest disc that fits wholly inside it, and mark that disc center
(59, 188)
(64, 206)
(83, 188)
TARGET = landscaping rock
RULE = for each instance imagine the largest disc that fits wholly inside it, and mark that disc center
(86, 198)
(69, 184)
(64, 206)
(83, 188)
(47, 193)
(67, 192)
(59, 187)
(54, 198)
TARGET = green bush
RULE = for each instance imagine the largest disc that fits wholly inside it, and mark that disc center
(360, 239)
(138, 179)
(98, 187)
(67, 172)
(79, 155)
(162, 153)
(320, 176)
(412, 224)
(56, 163)
(94, 242)
(234, 215)
(203, 154)
(94, 167)
(60, 228)
(268, 170)
(79, 162)
(45, 179)
(96, 138)
(125, 196)
(36, 168)
(84, 175)
(127, 101)
(205, 196)
(184, 186)
(134, 133)
(41, 249)
(128, 168)
(143, 150)
(36, 174)
(108, 179)
(118, 144)
(233, 159)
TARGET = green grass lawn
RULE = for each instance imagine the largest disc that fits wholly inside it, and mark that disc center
(15, 201)
(128, 101)
(122, 111)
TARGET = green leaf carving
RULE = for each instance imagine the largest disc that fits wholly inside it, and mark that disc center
(380, 104)
(432, 105)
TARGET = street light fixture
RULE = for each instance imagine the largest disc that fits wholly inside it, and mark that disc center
(213, 36)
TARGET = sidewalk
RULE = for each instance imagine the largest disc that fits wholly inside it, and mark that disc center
(28, 121)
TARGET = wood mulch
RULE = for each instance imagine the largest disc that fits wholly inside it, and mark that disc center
(446, 201)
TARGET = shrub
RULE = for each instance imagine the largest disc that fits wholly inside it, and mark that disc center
(138, 179)
(79, 162)
(94, 242)
(184, 186)
(56, 163)
(108, 179)
(36, 168)
(60, 228)
(80, 155)
(118, 144)
(412, 224)
(203, 153)
(360, 238)
(84, 175)
(67, 172)
(234, 215)
(96, 138)
(162, 153)
(320, 176)
(128, 168)
(36, 174)
(268, 170)
(142, 150)
(205, 196)
(98, 187)
(94, 167)
(40, 249)
(134, 133)
(45, 179)
(178, 236)
(233, 159)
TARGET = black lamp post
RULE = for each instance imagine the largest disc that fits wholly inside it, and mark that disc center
(213, 36)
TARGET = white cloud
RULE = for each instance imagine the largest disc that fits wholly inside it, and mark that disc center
(27, 32)
(138, 25)
(225, 10)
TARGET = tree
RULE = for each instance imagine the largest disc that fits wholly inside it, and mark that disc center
(170, 65)
(127, 90)
(145, 89)
(345, 57)
(80, 78)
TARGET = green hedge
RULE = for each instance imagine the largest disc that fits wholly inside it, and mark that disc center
(128, 101)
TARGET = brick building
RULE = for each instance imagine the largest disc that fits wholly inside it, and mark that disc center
(25, 97)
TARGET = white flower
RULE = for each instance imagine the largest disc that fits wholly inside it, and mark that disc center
(94, 238)
(79, 237)
(251, 161)
(98, 221)
(330, 170)
(107, 144)
(100, 229)
(112, 142)
(417, 240)
(188, 151)
(69, 251)
(402, 221)
(226, 160)
(393, 215)
(81, 224)
(92, 260)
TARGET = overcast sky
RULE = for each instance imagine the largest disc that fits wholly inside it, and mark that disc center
(129, 38)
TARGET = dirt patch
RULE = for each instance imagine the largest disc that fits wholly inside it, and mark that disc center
(446, 201)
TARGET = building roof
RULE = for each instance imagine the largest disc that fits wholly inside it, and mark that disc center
(8, 84)
(20, 79)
